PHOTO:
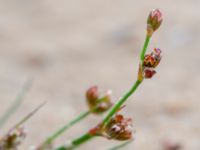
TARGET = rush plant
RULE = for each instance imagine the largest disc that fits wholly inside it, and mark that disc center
(114, 126)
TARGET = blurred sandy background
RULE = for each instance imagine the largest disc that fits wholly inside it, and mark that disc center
(69, 45)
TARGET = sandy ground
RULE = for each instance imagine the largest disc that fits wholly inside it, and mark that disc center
(69, 45)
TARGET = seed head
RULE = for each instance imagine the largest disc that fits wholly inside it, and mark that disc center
(119, 128)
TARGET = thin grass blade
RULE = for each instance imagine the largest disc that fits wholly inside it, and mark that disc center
(15, 105)
(29, 115)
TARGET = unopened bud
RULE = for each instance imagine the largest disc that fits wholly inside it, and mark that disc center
(96, 103)
(92, 95)
(154, 21)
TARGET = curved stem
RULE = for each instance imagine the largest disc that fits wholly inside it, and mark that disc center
(147, 39)
(51, 138)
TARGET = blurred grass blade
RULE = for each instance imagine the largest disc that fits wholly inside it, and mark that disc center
(29, 115)
(15, 105)
(120, 146)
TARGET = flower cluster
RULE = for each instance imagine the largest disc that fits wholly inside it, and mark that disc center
(98, 104)
(151, 61)
(13, 139)
(119, 128)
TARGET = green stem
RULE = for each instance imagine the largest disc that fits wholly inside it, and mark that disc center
(15, 105)
(147, 39)
(86, 137)
(65, 127)
(76, 142)
(82, 139)
(121, 102)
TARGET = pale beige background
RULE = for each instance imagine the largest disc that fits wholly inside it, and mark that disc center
(68, 45)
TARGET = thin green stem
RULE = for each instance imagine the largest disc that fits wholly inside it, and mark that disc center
(51, 138)
(120, 145)
(28, 116)
(76, 142)
(15, 105)
(86, 137)
(82, 139)
(121, 102)
(147, 39)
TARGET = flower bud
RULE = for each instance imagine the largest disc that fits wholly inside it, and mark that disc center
(119, 128)
(148, 73)
(151, 61)
(96, 103)
(92, 95)
(154, 21)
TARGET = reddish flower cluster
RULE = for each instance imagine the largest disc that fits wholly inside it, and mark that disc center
(119, 128)
(153, 59)
(96, 103)
(150, 62)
